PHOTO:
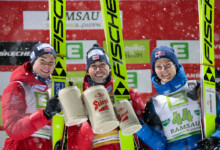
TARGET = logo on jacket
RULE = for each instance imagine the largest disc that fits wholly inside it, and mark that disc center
(39, 87)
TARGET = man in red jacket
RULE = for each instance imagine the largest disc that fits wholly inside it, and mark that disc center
(26, 107)
(81, 137)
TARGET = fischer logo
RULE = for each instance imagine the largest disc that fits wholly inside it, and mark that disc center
(58, 25)
(122, 114)
(15, 53)
(208, 39)
(102, 105)
(116, 48)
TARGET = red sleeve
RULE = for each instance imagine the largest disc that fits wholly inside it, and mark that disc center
(17, 124)
(137, 102)
(80, 137)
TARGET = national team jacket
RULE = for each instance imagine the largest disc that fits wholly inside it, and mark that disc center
(172, 118)
(81, 137)
(23, 101)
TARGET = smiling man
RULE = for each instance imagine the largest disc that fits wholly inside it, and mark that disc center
(172, 115)
(98, 72)
(26, 107)
(97, 66)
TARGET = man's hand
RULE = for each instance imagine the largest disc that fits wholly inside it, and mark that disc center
(53, 107)
(193, 90)
(211, 143)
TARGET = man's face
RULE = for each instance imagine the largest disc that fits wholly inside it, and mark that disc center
(44, 65)
(165, 69)
(99, 71)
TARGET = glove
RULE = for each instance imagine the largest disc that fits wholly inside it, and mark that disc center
(53, 107)
(209, 143)
(192, 89)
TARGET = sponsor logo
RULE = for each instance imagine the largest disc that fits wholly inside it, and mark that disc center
(114, 35)
(15, 53)
(74, 50)
(58, 27)
(135, 47)
(44, 46)
(99, 95)
(58, 86)
(102, 105)
(122, 114)
(95, 52)
(47, 50)
(181, 49)
(208, 39)
(95, 57)
(132, 79)
(74, 19)
(39, 87)
(159, 54)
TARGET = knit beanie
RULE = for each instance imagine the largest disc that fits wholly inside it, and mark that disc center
(95, 54)
(39, 50)
(163, 52)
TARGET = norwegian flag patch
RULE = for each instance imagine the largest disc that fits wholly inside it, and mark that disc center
(95, 57)
(47, 49)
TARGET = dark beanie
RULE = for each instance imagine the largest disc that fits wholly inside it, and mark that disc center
(94, 54)
(39, 50)
(163, 52)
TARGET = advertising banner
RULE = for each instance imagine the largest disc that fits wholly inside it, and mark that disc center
(75, 20)
(76, 51)
(187, 51)
(136, 51)
(15, 53)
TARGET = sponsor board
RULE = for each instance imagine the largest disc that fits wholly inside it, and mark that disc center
(75, 20)
(76, 51)
(187, 51)
(77, 77)
(140, 80)
(136, 51)
(15, 53)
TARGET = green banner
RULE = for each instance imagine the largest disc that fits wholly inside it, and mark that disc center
(136, 51)
(77, 77)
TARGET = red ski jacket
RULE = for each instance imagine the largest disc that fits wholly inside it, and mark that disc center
(81, 137)
(22, 113)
